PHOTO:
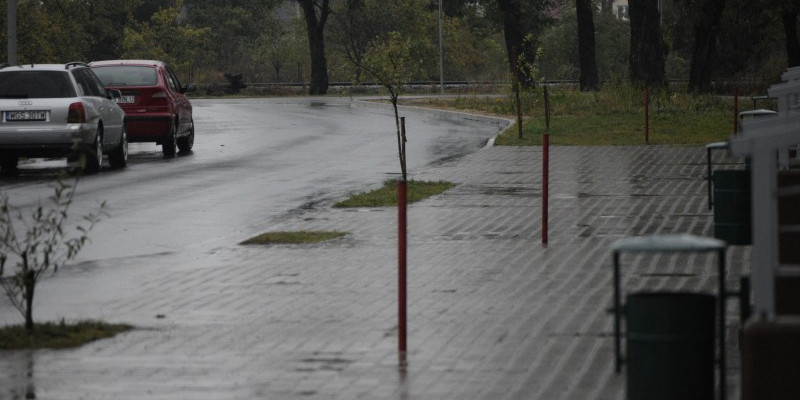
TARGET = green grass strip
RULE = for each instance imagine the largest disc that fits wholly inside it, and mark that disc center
(296, 237)
(59, 335)
(612, 116)
(386, 195)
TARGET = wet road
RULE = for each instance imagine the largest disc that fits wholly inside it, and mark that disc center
(254, 162)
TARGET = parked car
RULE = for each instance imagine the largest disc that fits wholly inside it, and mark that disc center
(154, 102)
(59, 110)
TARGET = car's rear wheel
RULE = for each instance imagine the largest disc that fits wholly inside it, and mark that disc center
(94, 156)
(186, 143)
(170, 145)
(118, 158)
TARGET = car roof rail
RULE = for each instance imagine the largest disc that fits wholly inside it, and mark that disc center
(75, 64)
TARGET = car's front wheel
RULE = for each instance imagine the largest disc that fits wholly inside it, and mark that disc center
(118, 158)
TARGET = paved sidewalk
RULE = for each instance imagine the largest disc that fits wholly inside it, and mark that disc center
(492, 313)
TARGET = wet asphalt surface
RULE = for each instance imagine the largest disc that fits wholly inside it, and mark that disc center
(493, 314)
(254, 160)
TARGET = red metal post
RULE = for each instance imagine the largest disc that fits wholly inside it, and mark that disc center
(545, 183)
(647, 116)
(735, 111)
(545, 165)
(401, 264)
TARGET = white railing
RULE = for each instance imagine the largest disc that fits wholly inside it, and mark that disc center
(763, 140)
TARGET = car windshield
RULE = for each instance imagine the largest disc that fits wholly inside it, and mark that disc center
(126, 75)
(35, 85)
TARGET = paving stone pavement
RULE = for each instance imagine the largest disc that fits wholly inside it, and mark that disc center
(493, 314)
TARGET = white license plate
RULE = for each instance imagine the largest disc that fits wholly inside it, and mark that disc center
(26, 115)
(126, 99)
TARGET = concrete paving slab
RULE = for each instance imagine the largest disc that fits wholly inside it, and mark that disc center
(493, 314)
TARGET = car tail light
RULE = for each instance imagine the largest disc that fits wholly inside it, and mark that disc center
(159, 99)
(76, 114)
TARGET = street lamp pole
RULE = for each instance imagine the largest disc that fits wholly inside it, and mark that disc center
(12, 31)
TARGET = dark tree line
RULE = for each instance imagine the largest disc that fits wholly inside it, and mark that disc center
(698, 40)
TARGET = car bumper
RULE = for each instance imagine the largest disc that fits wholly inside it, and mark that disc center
(31, 141)
(148, 128)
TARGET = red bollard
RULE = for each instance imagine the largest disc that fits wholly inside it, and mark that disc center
(545, 165)
(647, 116)
(736, 111)
(545, 183)
(402, 187)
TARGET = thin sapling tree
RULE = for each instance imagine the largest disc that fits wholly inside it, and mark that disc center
(393, 61)
(39, 242)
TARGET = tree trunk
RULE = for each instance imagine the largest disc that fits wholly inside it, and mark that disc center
(789, 14)
(607, 7)
(315, 27)
(521, 53)
(586, 45)
(706, 29)
(29, 284)
(647, 43)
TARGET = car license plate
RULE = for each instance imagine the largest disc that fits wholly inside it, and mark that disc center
(126, 99)
(26, 115)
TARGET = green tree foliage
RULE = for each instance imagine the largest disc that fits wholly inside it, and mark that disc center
(361, 24)
(45, 37)
(357, 23)
(751, 42)
(164, 38)
(104, 23)
(232, 28)
(473, 48)
(523, 22)
(267, 40)
(38, 243)
(69, 30)
(559, 59)
(283, 54)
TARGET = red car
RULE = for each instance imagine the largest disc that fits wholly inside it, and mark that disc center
(156, 108)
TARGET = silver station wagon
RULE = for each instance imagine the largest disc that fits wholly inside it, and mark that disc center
(56, 111)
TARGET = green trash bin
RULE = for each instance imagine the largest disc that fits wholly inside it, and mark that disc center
(732, 209)
(670, 346)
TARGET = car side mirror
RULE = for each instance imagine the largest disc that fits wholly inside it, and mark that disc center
(113, 94)
(189, 88)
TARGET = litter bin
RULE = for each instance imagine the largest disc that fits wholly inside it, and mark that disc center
(732, 209)
(678, 316)
(670, 346)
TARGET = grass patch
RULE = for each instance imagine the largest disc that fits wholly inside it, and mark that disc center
(612, 116)
(59, 335)
(297, 237)
(386, 195)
